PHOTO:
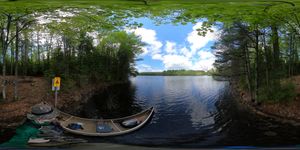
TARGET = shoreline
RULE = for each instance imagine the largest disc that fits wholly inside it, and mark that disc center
(172, 75)
(268, 110)
(34, 90)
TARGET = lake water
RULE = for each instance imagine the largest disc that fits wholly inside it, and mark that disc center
(190, 111)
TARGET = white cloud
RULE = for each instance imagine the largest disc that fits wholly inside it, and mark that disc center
(204, 55)
(205, 65)
(157, 57)
(145, 51)
(148, 36)
(170, 47)
(146, 68)
(175, 62)
(196, 41)
(205, 62)
(186, 52)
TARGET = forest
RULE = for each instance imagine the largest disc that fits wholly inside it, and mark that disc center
(258, 46)
(262, 55)
(65, 43)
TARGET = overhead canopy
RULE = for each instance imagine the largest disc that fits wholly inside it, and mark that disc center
(176, 11)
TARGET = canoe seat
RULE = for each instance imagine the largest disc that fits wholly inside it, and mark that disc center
(75, 126)
(103, 128)
(130, 123)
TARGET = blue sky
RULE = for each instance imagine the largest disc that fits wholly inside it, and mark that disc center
(171, 47)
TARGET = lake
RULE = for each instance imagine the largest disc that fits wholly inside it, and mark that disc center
(190, 111)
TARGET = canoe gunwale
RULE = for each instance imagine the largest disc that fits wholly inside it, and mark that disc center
(149, 112)
(104, 120)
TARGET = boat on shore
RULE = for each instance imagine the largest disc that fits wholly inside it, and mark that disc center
(104, 127)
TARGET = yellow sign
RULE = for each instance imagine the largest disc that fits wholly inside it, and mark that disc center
(56, 82)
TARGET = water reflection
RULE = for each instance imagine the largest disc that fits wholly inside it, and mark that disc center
(194, 111)
(185, 107)
(115, 101)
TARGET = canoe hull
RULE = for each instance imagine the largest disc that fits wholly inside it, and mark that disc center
(117, 128)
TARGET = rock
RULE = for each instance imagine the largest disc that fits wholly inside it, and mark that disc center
(41, 108)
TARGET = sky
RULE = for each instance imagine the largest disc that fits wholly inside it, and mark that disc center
(169, 46)
(173, 47)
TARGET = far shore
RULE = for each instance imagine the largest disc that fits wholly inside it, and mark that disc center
(177, 73)
(171, 75)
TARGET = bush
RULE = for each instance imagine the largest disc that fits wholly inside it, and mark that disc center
(287, 92)
(284, 92)
(243, 83)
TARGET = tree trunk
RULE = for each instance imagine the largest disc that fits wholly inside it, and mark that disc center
(46, 66)
(50, 49)
(275, 42)
(38, 51)
(256, 64)
(3, 60)
(294, 51)
(31, 50)
(4, 50)
(289, 53)
(248, 71)
(296, 56)
(25, 56)
(16, 63)
(12, 57)
(66, 55)
(267, 60)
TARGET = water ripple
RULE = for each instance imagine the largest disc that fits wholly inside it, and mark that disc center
(188, 111)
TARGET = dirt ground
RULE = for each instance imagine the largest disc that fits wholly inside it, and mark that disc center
(289, 111)
(33, 90)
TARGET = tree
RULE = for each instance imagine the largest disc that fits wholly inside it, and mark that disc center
(7, 38)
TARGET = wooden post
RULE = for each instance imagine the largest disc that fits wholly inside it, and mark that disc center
(56, 92)
(56, 87)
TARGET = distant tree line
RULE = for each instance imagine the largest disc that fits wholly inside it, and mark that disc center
(178, 73)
